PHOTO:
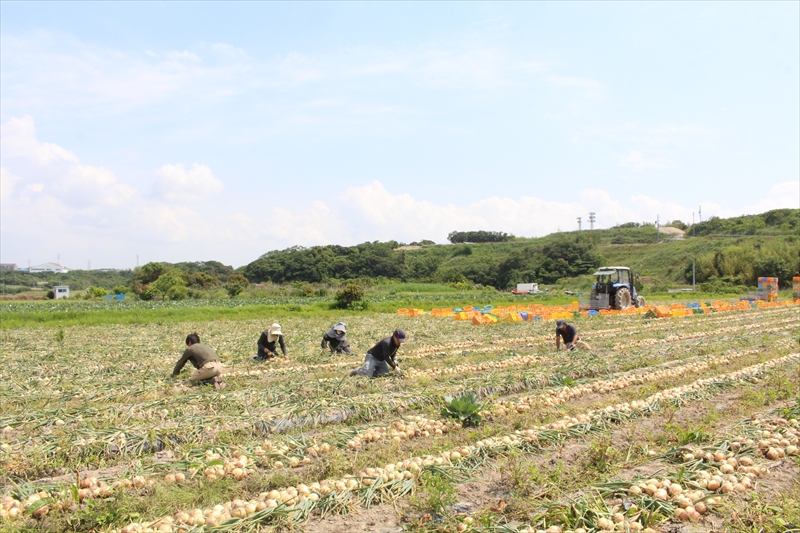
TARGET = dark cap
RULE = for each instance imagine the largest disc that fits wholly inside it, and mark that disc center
(400, 335)
(560, 324)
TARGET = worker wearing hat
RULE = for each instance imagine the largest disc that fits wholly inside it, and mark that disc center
(337, 339)
(267, 343)
(381, 356)
(569, 334)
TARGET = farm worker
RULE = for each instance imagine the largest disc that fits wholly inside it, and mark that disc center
(204, 359)
(381, 356)
(337, 338)
(569, 334)
(267, 343)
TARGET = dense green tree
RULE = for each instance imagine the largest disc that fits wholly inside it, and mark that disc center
(350, 297)
(456, 237)
(236, 284)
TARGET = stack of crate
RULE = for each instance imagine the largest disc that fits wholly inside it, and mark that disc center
(768, 288)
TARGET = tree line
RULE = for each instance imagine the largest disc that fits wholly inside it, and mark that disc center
(458, 237)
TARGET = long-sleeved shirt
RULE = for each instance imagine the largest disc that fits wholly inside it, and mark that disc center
(335, 342)
(569, 334)
(197, 354)
(385, 350)
(264, 343)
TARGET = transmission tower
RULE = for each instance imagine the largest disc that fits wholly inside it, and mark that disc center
(579, 223)
(591, 220)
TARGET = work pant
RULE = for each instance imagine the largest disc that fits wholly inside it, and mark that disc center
(581, 344)
(207, 371)
(262, 356)
(343, 347)
(373, 367)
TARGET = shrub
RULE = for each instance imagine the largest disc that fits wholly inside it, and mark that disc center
(94, 292)
(236, 284)
(350, 297)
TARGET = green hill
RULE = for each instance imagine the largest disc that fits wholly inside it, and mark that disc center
(727, 252)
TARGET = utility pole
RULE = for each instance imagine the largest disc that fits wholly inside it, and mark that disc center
(579, 223)
(700, 212)
(591, 220)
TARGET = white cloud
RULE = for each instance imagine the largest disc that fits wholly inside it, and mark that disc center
(780, 195)
(18, 139)
(635, 133)
(593, 89)
(638, 161)
(88, 186)
(7, 182)
(48, 68)
(376, 213)
(84, 212)
(176, 184)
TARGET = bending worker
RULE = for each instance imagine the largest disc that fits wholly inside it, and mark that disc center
(204, 359)
(337, 338)
(381, 356)
(570, 335)
(267, 343)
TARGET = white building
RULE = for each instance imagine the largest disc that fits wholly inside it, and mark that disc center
(60, 291)
(49, 267)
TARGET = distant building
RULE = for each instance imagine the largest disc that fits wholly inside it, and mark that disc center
(8, 266)
(60, 291)
(49, 267)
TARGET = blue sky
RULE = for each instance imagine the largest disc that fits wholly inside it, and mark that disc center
(185, 131)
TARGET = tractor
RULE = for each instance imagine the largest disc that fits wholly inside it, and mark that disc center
(613, 288)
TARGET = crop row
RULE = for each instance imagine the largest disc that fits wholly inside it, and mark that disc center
(686, 492)
(109, 440)
(395, 477)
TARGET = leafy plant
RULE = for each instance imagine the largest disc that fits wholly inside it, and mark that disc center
(236, 284)
(465, 408)
(687, 436)
(351, 297)
(436, 494)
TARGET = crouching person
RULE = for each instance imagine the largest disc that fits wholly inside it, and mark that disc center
(204, 359)
(336, 338)
(382, 356)
(268, 342)
(570, 335)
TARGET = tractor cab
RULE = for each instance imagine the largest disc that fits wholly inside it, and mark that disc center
(614, 288)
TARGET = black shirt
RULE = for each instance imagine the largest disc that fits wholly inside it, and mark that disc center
(263, 343)
(385, 351)
(335, 343)
(569, 334)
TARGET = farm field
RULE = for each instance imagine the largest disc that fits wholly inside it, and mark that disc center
(665, 425)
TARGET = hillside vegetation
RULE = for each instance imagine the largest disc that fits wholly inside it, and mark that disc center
(728, 254)
(725, 251)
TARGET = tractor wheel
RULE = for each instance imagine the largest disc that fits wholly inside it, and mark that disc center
(622, 299)
(640, 301)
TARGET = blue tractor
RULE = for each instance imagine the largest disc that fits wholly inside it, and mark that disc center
(614, 289)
